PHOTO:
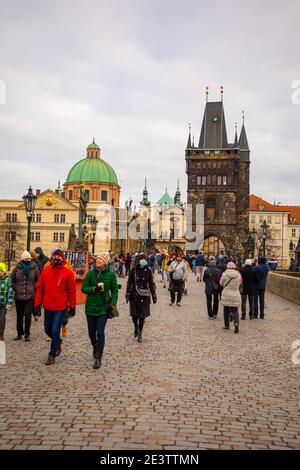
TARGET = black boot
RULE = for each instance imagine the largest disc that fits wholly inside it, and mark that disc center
(136, 332)
(140, 339)
(94, 351)
(97, 363)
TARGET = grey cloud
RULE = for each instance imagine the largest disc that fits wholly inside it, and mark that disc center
(133, 74)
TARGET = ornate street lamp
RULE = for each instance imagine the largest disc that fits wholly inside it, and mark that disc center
(264, 228)
(94, 223)
(253, 234)
(30, 202)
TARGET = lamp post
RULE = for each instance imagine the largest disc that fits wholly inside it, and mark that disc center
(252, 239)
(30, 202)
(94, 223)
(264, 228)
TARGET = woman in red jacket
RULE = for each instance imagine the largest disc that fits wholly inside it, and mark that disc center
(56, 291)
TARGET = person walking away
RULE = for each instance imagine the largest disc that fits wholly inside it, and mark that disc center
(200, 263)
(6, 297)
(178, 271)
(56, 292)
(101, 287)
(231, 280)
(151, 262)
(24, 278)
(127, 264)
(272, 263)
(140, 286)
(248, 286)
(160, 258)
(41, 258)
(262, 271)
(211, 278)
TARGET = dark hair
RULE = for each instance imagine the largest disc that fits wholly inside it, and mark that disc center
(140, 257)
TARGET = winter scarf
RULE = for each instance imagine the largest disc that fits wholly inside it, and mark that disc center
(26, 268)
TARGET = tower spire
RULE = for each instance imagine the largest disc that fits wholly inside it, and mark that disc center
(221, 140)
(145, 201)
(189, 138)
(236, 142)
(243, 141)
(206, 92)
(177, 196)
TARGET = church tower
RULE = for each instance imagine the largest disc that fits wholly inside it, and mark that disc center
(218, 177)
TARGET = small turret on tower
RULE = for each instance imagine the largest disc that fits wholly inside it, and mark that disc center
(145, 201)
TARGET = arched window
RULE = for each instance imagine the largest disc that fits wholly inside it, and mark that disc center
(210, 208)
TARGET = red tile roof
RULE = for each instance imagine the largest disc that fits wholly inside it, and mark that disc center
(256, 201)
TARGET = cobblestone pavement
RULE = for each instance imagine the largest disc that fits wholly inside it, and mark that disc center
(189, 385)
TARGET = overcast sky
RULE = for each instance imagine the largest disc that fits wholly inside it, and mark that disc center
(133, 73)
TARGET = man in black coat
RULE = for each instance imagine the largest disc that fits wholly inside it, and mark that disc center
(212, 276)
(41, 258)
(249, 282)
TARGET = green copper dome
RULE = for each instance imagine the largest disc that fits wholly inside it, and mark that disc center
(92, 170)
(165, 199)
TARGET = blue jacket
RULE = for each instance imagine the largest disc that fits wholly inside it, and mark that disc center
(200, 260)
(262, 271)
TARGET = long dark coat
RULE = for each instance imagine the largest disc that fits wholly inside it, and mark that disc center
(249, 280)
(143, 279)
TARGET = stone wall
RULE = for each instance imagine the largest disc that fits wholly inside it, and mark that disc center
(285, 286)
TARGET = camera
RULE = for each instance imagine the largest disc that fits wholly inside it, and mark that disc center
(100, 287)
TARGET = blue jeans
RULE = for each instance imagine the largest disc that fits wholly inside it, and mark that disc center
(96, 327)
(52, 323)
(260, 294)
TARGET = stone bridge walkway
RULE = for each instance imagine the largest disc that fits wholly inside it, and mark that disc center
(189, 385)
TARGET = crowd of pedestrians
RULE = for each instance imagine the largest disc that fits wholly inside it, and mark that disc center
(38, 283)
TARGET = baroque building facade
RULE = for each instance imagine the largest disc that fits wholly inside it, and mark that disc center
(218, 178)
(56, 211)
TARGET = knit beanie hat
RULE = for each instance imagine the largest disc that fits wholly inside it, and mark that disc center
(231, 265)
(57, 251)
(3, 267)
(25, 255)
(103, 258)
(248, 262)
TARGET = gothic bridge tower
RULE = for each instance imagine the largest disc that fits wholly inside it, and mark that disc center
(218, 177)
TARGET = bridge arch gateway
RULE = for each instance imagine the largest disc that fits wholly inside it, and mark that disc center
(213, 245)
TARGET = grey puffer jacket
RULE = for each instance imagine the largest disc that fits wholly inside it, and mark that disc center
(25, 287)
(230, 281)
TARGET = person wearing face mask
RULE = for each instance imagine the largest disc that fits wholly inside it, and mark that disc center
(101, 287)
(24, 278)
(56, 292)
(140, 286)
(178, 273)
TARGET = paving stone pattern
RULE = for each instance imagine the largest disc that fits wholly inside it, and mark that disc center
(189, 385)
